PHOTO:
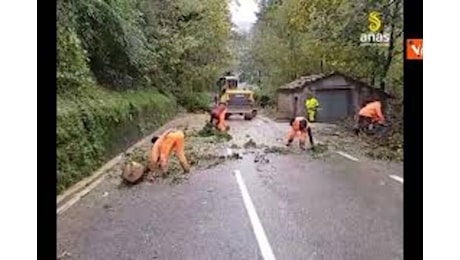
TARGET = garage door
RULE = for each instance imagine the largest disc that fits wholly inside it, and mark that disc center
(334, 104)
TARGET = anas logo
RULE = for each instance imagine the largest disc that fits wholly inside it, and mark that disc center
(376, 35)
(374, 22)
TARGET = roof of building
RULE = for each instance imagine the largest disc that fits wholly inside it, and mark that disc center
(303, 81)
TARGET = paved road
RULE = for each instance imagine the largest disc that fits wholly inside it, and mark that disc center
(329, 208)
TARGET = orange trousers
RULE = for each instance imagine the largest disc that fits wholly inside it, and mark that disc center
(221, 125)
(301, 134)
(300, 129)
(163, 148)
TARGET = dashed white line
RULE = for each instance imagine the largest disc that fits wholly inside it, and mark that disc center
(348, 156)
(264, 245)
(397, 178)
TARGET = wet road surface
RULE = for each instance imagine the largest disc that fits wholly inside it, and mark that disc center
(328, 208)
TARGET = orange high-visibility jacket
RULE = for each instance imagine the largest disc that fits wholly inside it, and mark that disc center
(166, 143)
(217, 110)
(374, 111)
(296, 124)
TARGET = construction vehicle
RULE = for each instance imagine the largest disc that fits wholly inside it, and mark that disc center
(239, 101)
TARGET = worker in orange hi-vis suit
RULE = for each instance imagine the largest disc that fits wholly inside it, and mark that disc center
(218, 113)
(215, 110)
(162, 148)
(373, 111)
(370, 114)
(300, 128)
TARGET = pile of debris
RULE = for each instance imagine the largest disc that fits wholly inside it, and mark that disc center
(277, 150)
(250, 144)
(201, 149)
(209, 130)
(319, 150)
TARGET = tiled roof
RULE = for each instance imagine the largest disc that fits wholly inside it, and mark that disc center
(299, 83)
(304, 80)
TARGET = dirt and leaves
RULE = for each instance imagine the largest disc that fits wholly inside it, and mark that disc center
(341, 137)
(389, 148)
(277, 150)
(209, 130)
(318, 150)
(250, 144)
(203, 149)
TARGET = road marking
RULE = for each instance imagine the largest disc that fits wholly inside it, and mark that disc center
(79, 195)
(264, 246)
(397, 178)
(347, 156)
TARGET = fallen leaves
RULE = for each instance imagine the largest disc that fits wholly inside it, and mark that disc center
(250, 144)
(201, 151)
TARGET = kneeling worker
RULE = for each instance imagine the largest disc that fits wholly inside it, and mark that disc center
(162, 148)
(300, 127)
(369, 115)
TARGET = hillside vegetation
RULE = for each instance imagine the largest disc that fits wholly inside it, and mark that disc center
(294, 38)
(123, 69)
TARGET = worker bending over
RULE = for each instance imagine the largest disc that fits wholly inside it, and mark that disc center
(300, 128)
(311, 105)
(370, 115)
(218, 117)
(162, 148)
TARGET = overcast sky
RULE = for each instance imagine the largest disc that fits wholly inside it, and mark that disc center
(244, 15)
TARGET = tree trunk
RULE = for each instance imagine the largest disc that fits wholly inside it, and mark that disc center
(390, 53)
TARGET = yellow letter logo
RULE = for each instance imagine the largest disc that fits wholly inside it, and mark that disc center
(374, 21)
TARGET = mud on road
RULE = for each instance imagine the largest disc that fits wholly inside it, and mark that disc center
(266, 132)
(147, 211)
(261, 135)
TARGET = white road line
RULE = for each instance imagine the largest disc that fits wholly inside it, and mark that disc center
(265, 248)
(397, 178)
(79, 195)
(347, 156)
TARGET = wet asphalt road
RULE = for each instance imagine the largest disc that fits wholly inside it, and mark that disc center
(329, 208)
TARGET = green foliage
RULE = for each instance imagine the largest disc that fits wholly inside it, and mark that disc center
(72, 71)
(292, 38)
(210, 130)
(265, 98)
(117, 48)
(121, 66)
(195, 102)
(92, 130)
(297, 37)
(127, 45)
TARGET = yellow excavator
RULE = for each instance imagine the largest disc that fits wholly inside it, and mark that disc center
(238, 101)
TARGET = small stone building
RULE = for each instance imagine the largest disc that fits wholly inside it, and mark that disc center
(339, 96)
